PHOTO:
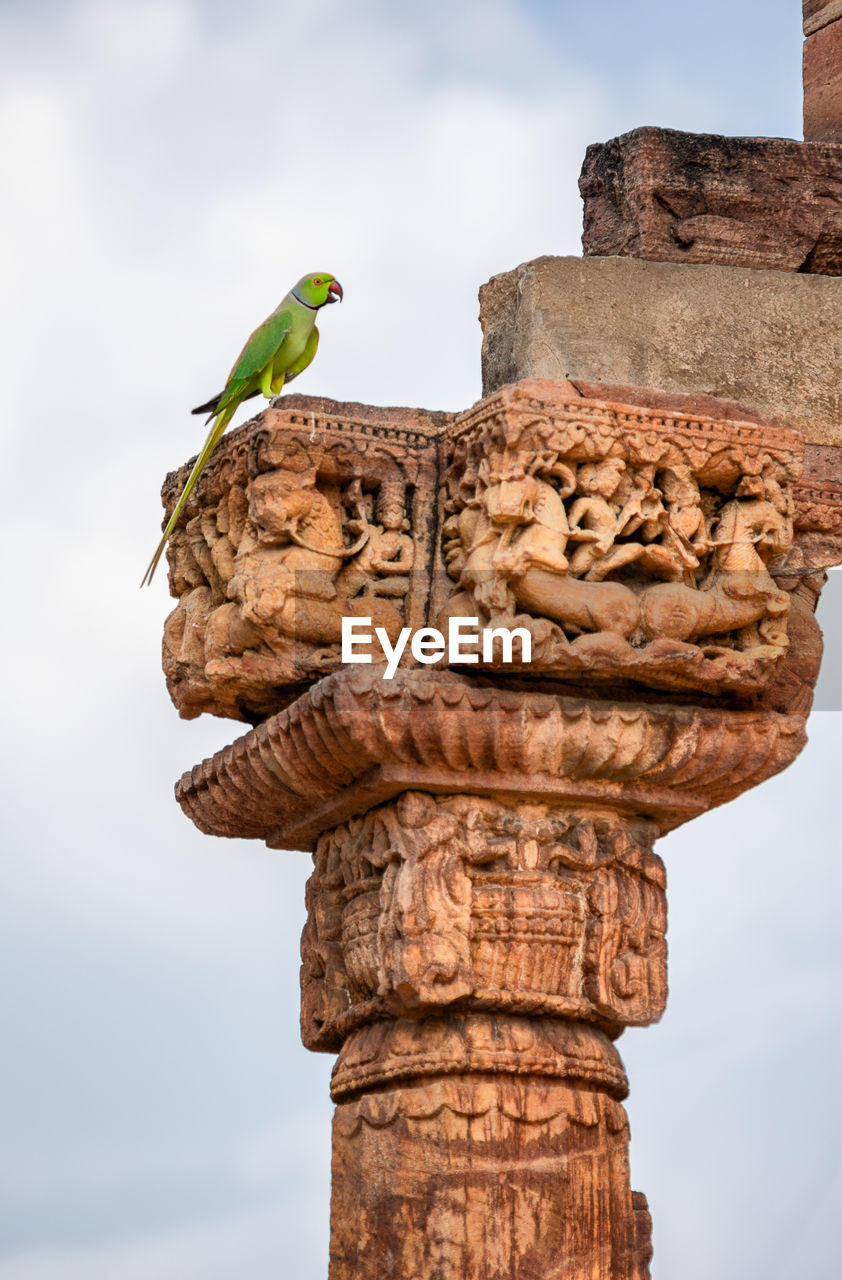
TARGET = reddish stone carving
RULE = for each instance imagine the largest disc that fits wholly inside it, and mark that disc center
(624, 539)
(519, 907)
(356, 740)
(639, 536)
(312, 512)
(700, 198)
(486, 912)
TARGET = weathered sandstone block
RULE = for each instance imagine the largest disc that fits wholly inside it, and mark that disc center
(823, 73)
(699, 198)
(818, 13)
(765, 338)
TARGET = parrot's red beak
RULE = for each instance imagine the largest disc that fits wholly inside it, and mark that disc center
(334, 291)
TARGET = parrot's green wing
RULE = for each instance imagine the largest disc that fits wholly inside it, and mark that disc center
(263, 345)
(299, 365)
(255, 360)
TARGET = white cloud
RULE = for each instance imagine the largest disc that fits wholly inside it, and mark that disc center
(254, 1243)
(141, 40)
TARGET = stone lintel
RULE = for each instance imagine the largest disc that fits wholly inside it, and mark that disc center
(765, 338)
(671, 196)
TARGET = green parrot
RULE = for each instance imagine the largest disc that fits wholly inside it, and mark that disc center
(277, 351)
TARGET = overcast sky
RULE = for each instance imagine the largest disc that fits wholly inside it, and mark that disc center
(170, 167)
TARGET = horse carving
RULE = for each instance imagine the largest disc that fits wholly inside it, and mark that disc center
(738, 594)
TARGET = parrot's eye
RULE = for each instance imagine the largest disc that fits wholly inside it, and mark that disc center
(318, 280)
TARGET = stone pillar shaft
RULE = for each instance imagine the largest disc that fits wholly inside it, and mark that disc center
(487, 1175)
(474, 1136)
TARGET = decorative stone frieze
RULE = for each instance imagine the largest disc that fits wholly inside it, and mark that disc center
(628, 540)
(634, 535)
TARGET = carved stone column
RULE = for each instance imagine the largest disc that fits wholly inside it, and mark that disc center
(486, 913)
(475, 1121)
(475, 943)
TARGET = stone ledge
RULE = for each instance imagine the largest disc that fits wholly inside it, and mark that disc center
(355, 741)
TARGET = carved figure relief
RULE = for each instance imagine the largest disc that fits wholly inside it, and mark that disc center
(465, 900)
(618, 546)
(631, 543)
(308, 527)
(387, 553)
(285, 587)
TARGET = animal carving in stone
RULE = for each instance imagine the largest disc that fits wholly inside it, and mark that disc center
(619, 549)
(514, 557)
(738, 593)
(284, 589)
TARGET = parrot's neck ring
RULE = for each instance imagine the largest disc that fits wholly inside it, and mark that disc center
(298, 298)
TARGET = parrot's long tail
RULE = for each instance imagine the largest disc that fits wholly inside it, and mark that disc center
(207, 449)
(211, 407)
